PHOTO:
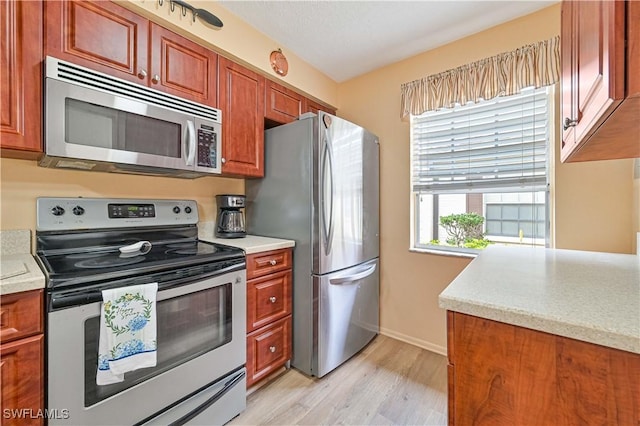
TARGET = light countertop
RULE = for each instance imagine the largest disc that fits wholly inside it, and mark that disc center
(18, 269)
(252, 243)
(588, 296)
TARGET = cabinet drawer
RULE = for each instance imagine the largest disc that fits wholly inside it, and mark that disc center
(268, 299)
(264, 263)
(21, 315)
(22, 384)
(268, 349)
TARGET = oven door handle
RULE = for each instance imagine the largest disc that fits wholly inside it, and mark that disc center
(209, 402)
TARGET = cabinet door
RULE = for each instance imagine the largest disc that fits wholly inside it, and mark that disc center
(281, 104)
(593, 67)
(268, 349)
(99, 35)
(241, 99)
(21, 77)
(181, 67)
(314, 107)
(268, 299)
(22, 383)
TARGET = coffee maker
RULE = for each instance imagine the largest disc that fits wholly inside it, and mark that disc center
(230, 223)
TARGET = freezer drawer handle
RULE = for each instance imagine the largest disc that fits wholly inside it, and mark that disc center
(355, 277)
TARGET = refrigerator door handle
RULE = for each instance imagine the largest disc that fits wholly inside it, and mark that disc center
(354, 277)
(327, 158)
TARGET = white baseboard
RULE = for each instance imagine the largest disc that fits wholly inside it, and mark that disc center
(413, 341)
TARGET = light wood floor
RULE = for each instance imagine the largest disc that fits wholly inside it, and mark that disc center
(388, 383)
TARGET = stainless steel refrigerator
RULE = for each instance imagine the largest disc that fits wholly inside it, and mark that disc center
(321, 189)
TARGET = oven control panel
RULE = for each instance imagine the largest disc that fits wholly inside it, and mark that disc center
(131, 211)
(57, 214)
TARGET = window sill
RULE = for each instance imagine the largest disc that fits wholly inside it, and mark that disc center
(448, 253)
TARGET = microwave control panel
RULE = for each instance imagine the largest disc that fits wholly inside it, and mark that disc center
(207, 147)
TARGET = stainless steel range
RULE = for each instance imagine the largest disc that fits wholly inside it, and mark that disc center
(87, 245)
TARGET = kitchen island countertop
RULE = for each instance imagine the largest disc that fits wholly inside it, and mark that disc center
(588, 296)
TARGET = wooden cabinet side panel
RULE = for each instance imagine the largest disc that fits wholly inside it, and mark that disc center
(183, 68)
(597, 385)
(241, 99)
(21, 75)
(22, 381)
(503, 374)
(99, 35)
(633, 49)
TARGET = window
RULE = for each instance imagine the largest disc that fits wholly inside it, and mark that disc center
(485, 161)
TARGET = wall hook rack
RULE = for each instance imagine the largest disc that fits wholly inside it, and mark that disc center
(204, 15)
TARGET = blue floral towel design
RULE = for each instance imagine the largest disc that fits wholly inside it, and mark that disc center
(127, 332)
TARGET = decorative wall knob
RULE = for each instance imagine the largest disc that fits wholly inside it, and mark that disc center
(272, 262)
(272, 349)
(273, 299)
(142, 74)
(569, 123)
(155, 79)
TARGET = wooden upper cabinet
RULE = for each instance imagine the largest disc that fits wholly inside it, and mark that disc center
(99, 35)
(106, 37)
(314, 107)
(241, 99)
(600, 59)
(21, 78)
(181, 67)
(282, 105)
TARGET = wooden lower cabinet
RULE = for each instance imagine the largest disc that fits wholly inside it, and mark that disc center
(22, 359)
(268, 349)
(501, 374)
(269, 284)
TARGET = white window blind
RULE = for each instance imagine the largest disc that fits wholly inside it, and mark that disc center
(498, 144)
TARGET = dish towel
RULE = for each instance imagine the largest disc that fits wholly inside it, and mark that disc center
(127, 332)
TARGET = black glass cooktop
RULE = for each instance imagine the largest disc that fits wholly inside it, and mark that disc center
(83, 258)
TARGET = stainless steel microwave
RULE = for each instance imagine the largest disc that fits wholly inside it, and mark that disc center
(94, 121)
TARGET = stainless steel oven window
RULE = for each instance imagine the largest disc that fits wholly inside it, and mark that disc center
(188, 326)
(100, 126)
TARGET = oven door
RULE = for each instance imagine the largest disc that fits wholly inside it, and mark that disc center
(201, 338)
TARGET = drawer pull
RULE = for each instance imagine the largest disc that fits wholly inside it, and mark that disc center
(272, 262)
(273, 299)
(272, 349)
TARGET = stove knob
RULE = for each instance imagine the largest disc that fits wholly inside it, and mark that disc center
(187, 210)
(176, 209)
(78, 211)
(57, 211)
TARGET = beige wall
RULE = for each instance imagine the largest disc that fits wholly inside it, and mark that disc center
(241, 42)
(23, 181)
(411, 282)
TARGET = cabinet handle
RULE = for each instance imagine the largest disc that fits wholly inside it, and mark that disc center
(273, 299)
(155, 79)
(569, 123)
(222, 160)
(272, 262)
(272, 349)
(142, 74)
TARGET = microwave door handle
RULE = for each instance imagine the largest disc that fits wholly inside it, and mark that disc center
(189, 150)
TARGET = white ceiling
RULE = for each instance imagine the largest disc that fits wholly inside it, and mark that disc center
(345, 39)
